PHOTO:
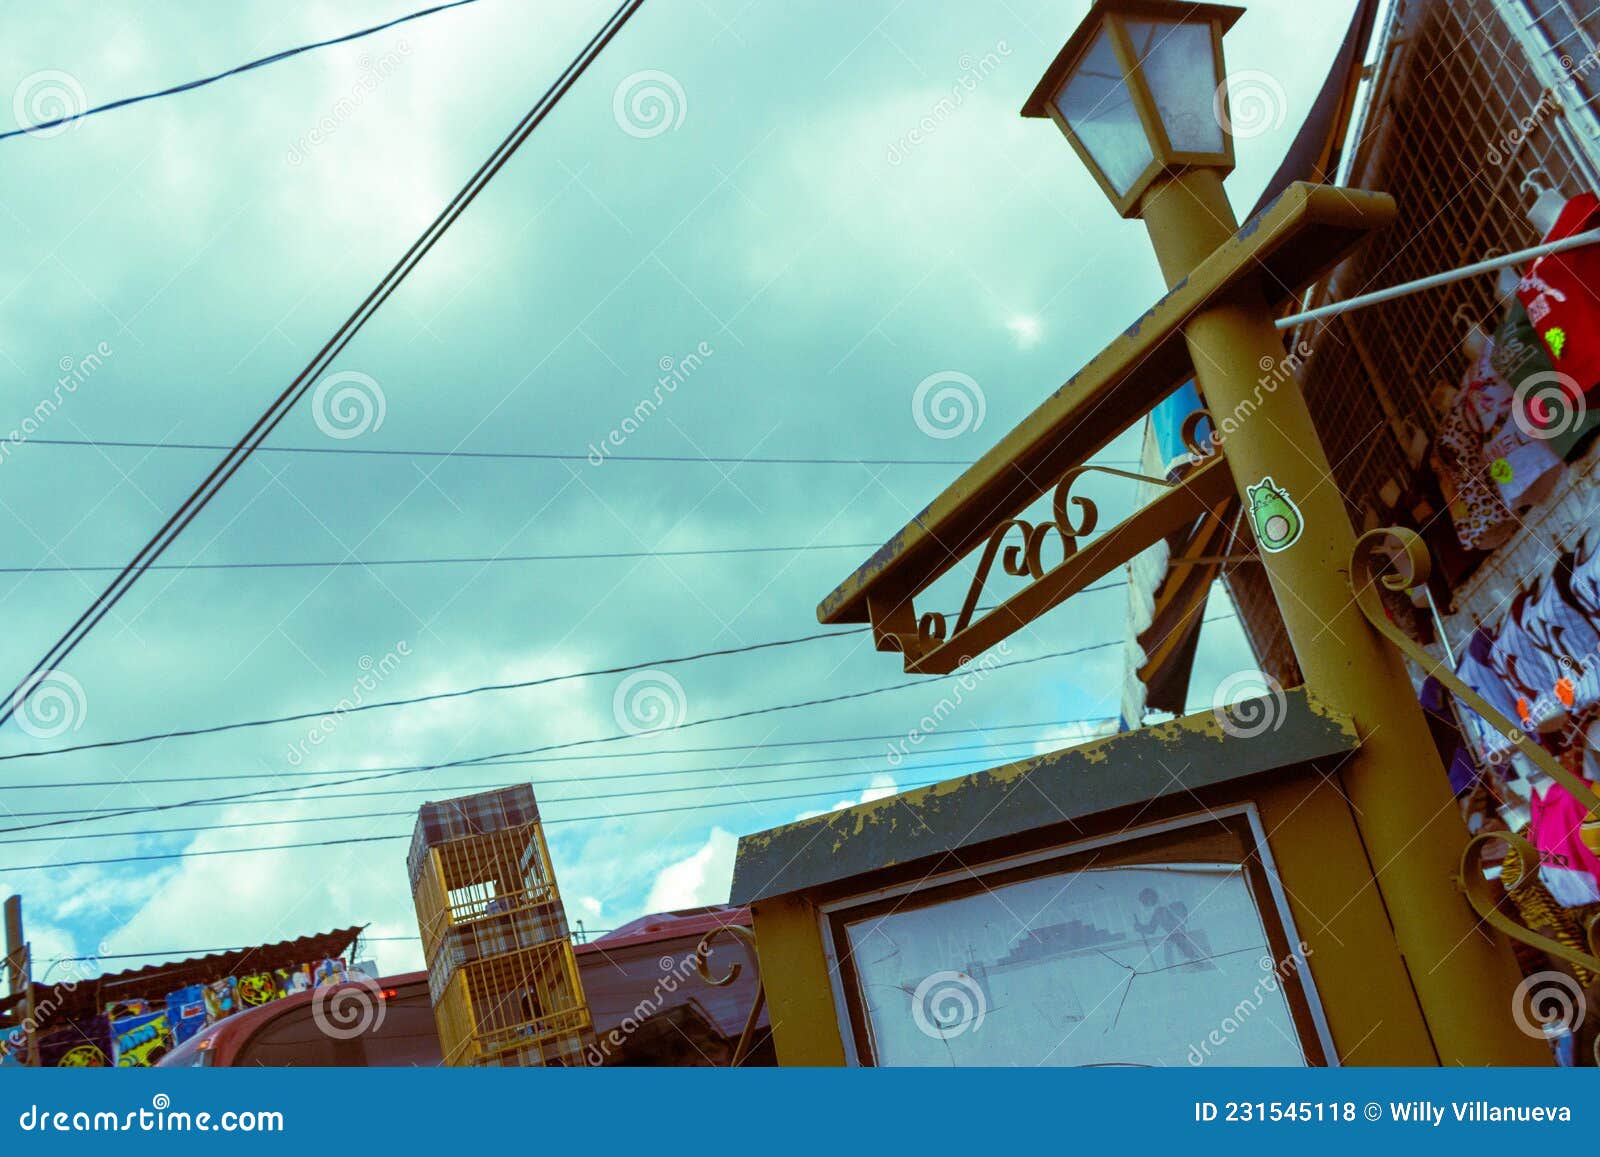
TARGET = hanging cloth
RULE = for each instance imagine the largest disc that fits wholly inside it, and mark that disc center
(1561, 292)
(1522, 466)
(1476, 669)
(1480, 516)
(1565, 625)
(1566, 865)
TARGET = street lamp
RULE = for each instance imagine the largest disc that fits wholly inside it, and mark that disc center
(1139, 91)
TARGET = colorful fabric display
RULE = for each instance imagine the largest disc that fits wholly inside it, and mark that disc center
(1481, 518)
(1563, 623)
(1561, 293)
(222, 999)
(1522, 465)
(1521, 360)
(1530, 671)
(140, 1040)
(1476, 669)
(84, 1044)
(1447, 738)
(257, 988)
(186, 1012)
(293, 980)
(1566, 865)
(1585, 585)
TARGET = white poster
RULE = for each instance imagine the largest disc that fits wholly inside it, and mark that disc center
(1150, 965)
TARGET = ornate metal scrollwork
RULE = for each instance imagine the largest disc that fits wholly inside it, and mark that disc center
(1190, 433)
(1398, 558)
(702, 952)
(1484, 895)
(1025, 559)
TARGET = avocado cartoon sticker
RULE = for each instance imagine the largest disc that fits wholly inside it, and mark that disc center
(1274, 516)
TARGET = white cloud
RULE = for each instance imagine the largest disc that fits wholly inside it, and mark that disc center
(881, 787)
(703, 878)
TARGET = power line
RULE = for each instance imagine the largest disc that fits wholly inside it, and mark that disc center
(190, 86)
(340, 710)
(657, 774)
(189, 854)
(851, 774)
(176, 954)
(531, 455)
(575, 743)
(280, 407)
(335, 564)
(609, 756)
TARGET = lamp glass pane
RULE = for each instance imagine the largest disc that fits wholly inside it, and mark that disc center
(1179, 67)
(1097, 106)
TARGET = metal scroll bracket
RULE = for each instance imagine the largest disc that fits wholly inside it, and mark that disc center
(702, 953)
(1398, 558)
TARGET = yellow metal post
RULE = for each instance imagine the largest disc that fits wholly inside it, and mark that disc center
(1463, 977)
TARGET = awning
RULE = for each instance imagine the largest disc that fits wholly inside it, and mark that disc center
(71, 1000)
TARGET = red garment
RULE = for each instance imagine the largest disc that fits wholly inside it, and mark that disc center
(1561, 292)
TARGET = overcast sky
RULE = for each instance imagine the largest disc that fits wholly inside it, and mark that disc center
(179, 261)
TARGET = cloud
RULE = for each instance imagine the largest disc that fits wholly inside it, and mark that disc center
(881, 787)
(702, 878)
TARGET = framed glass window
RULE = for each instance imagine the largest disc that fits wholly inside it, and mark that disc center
(1166, 946)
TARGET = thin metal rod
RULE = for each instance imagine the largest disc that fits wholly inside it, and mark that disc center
(1464, 273)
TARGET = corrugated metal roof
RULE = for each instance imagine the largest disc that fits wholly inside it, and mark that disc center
(154, 981)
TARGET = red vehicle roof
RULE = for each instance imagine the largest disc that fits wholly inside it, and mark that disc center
(668, 926)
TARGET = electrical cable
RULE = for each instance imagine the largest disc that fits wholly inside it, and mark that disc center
(79, 783)
(485, 560)
(852, 774)
(532, 455)
(262, 62)
(575, 743)
(177, 954)
(340, 710)
(189, 854)
(262, 428)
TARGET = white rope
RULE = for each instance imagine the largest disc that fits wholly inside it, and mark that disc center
(1462, 274)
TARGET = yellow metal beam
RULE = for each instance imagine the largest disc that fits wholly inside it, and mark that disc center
(1206, 492)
